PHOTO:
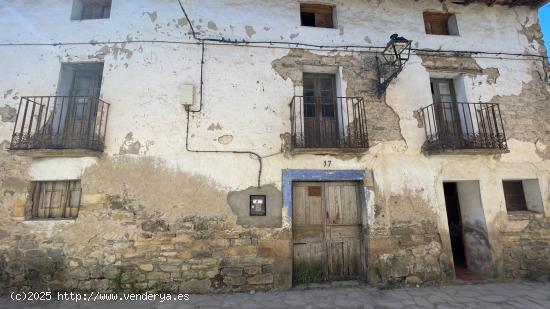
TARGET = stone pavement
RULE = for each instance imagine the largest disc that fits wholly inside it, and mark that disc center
(505, 295)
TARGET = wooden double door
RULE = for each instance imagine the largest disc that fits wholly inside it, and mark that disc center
(327, 230)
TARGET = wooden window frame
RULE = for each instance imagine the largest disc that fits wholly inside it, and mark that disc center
(62, 196)
(516, 201)
(323, 14)
(433, 18)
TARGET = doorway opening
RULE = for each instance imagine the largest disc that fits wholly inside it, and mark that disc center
(455, 224)
(470, 246)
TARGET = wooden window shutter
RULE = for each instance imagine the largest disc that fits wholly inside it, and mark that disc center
(55, 199)
(436, 23)
(317, 15)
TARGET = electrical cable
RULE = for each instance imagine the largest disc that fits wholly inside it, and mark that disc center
(289, 45)
(258, 157)
(243, 42)
(201, 91)
(327, 48)
(248, 43)
(189, 111)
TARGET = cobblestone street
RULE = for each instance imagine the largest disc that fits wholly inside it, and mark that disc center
(507, 295)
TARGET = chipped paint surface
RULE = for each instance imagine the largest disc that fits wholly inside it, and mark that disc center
(147, 188)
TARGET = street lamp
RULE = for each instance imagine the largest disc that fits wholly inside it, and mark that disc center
(392, 61)
(397, 51)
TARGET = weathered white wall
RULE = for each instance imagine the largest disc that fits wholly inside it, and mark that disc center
(474, 228)
(245, 98)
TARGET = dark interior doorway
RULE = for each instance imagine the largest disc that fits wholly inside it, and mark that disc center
(454, 219)
(471, 255)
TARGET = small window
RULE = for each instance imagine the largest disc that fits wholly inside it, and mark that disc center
(440, 23)
(91, 9)
(522, 195)
(514, 195)
(317, 15)
(55, 199)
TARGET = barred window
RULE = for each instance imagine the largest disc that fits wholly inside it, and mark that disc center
(55, 199)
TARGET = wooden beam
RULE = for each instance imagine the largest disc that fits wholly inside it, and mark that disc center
(539, 3)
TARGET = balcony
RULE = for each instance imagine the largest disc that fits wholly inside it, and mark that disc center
(464, 128)
(57, 125)
(330, 124)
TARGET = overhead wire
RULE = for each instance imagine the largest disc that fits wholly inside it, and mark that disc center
(285, 45)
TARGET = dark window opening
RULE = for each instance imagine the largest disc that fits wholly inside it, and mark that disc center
(308, 19)
(55, 199)
(317, 15)
(309, 110)
(514, 195)
(328, 110)
(91, 9)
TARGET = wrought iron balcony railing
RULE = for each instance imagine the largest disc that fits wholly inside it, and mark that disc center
(60, 122)
(328, 122)
(460, 126)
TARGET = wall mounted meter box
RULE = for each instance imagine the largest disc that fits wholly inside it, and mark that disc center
(187, 93)
(258, 205)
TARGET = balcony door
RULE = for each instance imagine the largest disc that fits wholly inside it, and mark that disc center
(320, 111)
(80, 121)
(446, 109)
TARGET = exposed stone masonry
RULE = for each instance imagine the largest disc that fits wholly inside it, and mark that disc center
(526, 249)
(196, 254)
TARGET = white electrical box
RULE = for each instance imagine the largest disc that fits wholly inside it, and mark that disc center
(187, 94)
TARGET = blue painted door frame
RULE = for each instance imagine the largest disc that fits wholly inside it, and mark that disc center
(290, 176)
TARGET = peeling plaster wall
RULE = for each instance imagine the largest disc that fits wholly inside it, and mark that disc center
(155, 215)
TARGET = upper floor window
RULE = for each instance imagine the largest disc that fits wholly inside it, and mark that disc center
(440, 23)
(91, 9)
(317, 15)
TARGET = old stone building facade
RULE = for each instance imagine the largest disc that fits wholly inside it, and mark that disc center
(247, 145)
